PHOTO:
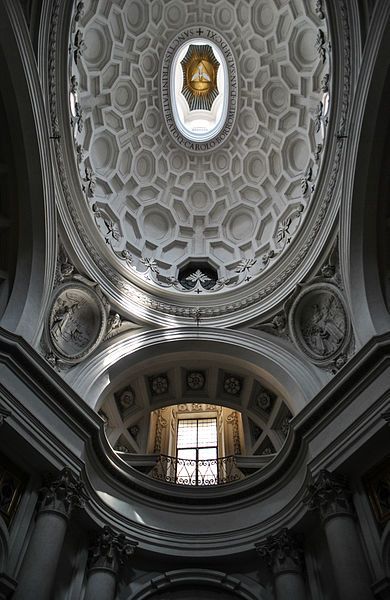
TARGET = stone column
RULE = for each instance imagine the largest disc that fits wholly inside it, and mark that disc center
(105, 557)
(330, 494)
(284, 555)
(40, 562)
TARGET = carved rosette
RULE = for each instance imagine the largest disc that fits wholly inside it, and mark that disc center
(319, 323)
(283, 552)
(62, 494)
(77, 321)
(110, 551)
(330, 494)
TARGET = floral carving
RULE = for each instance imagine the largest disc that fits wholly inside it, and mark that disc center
(62, 493)
(159, 385)
(321, 45)
(330, 494)
(78, 46)
(110, 550)
(283, 552)
(195, 380)
(263, 400)
(125, 399)
(89, 183)
(320, 9)
(232, 418)
(305, 180)
(232, 385)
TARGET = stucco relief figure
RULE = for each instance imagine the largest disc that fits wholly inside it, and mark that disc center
(77, 321)
(67, 324)
(324, 326)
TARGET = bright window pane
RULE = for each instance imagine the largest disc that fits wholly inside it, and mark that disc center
(187, 433)
(207, 432)
(207, 453)
(197, 452)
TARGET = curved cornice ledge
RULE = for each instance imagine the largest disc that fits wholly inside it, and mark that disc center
(300, 381)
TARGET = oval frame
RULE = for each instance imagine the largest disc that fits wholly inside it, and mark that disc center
(95, 302)
(166, 86)
(295, 315)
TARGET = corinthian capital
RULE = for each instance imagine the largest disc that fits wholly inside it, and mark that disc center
(330, 494)
(63, 493)
(283, 552)
(110, 550)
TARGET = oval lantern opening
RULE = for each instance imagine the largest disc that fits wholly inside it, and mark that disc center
(199, 89)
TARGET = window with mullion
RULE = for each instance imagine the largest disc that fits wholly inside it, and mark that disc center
(197, 447)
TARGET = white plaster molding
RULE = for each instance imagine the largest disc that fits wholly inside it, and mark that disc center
(146, 586)
(256, 296)
(301, 380)
(33, 280)
(358, 212)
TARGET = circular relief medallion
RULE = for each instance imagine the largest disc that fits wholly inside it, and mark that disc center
(77, 322)
(319, 323)
(199, 89)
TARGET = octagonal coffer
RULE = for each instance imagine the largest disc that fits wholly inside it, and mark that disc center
(199, 89)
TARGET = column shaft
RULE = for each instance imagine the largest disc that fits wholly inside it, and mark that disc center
(349, 564)
(289, 586)
(101, 585)
(330, 494)
(40, 563)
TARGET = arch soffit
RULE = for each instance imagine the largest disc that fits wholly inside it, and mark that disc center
(284, 370)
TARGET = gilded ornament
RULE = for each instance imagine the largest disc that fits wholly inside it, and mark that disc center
(200, 68)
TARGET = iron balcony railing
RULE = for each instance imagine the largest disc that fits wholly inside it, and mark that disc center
(185, 471)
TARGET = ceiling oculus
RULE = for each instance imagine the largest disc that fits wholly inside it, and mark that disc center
(199, 89)
(200, 68)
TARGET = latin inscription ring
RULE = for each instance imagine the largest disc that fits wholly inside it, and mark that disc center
(186, 36)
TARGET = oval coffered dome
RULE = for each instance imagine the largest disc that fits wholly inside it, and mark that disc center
(156, 184)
